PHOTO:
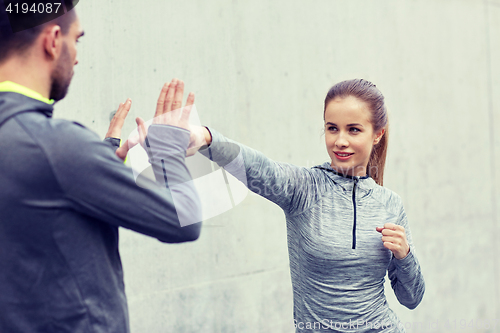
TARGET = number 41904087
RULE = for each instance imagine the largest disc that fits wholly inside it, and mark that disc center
(41, 8)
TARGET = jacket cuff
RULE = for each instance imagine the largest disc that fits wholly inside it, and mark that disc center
(113, 142)
(221, 150)
(167, 138)
(407, 263)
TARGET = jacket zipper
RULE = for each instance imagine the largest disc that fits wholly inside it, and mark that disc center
(354, 205)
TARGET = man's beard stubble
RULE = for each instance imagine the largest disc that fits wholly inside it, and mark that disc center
(61, 76)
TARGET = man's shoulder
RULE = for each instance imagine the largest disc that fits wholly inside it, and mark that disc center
(54, 125)
(60, 132)
(63, 141)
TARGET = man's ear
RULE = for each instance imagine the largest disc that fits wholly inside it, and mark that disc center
(379, 136)
(52, 41)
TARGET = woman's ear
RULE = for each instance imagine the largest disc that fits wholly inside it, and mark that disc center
(379, 136)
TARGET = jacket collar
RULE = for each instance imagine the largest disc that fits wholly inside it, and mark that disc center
(12, 103)
(9, 86)
(347, 181)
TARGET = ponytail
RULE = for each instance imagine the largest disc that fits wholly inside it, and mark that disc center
(376, 163)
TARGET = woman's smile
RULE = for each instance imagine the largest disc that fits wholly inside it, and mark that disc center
(343, 156)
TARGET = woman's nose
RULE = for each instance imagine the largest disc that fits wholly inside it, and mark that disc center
(341, 141)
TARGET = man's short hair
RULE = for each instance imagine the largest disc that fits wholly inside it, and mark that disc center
(19, 42)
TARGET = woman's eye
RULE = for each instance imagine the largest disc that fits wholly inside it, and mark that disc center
(354, 129)
(332, 128)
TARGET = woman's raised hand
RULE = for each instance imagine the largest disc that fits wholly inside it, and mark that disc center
(169, 111)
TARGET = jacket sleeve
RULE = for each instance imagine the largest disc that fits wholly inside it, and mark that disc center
(287, 185)
(114, 143)
(96, 183)
(405, 274)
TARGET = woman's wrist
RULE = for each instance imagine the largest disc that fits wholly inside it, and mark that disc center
(403, 256)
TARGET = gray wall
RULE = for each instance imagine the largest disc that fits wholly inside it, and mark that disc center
(260, 70)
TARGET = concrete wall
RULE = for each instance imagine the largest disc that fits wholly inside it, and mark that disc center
(260, 70)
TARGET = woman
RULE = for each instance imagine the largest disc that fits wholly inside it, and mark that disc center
(345, 230)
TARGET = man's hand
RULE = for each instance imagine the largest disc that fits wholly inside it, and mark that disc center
(394, 238)
(115, 127)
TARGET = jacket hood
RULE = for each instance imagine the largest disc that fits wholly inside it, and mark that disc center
(347, 181)
(12, 103)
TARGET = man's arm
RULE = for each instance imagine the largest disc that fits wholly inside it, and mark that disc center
(98, 184)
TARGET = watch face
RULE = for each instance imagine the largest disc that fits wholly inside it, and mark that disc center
(219, 189)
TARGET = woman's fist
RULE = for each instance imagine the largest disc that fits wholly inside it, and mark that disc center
(394, 238)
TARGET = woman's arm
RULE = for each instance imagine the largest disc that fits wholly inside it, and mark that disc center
(405, 274)
(287, 185)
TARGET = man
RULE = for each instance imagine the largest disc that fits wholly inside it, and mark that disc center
(64, 193)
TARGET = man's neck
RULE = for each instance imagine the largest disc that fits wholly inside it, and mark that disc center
(24, 73)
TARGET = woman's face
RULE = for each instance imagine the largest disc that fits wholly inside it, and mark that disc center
(349, 135)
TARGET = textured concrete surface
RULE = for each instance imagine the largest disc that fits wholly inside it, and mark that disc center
(260, 70)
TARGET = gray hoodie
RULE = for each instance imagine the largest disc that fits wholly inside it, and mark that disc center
(337, 259)
(63, 196)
